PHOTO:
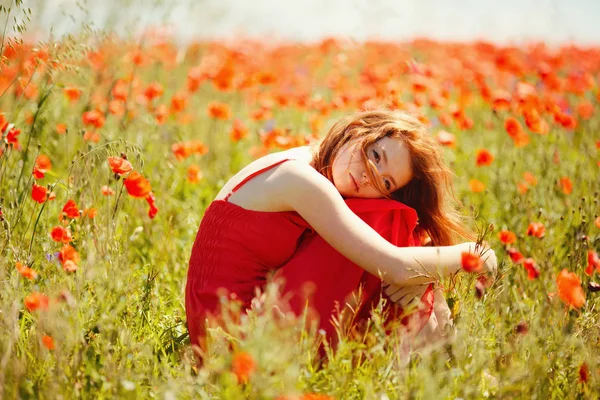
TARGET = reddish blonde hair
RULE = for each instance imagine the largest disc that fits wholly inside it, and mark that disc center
(429, 192)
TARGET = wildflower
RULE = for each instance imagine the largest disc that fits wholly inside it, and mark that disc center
(219, 111)
(60, 234)
(471, 262)
(566, 185)
(153, 91)
(107, 190)
(39, 193)
(522, 328)
(68, 253)
(42, 165)
(48, 342)
(536, 229)
(238, 131)
(12, 137)
(243, 366)
(569, 289)
(178, 102)
(484, 157)
(161, 114)
(61, 129)
(70, 266)
(194, 174)
(446, 138)
(515, 131)
(91, 136)
(72, 94)
(25, 271)
(90, 212)
(597, 222)
(94, 118)
(151, 202)
(501, 100)
(476, 186)
(584, 373)
(522, 187)
(507, 237)
(532, 270)
(530, 178)
(70, 209)
(36, 301)
(515, 255)
(119, 165)
(137, 185)
(593, 262)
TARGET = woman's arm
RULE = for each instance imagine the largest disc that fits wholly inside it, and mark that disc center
(314, 197)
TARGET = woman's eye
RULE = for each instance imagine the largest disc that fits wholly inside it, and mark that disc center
(376, 155)
(387, 183)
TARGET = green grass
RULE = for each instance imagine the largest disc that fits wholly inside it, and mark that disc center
(119, 330)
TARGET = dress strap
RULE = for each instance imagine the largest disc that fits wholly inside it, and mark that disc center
(252, 175)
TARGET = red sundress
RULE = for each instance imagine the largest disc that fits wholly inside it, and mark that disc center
(236, 249)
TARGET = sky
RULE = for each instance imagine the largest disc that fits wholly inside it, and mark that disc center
(506, 21)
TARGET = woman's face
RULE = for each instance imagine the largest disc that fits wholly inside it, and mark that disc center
(389, 155)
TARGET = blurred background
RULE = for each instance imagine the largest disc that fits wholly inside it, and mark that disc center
(508, 21)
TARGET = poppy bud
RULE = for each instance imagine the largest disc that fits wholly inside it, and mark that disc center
(522, 328)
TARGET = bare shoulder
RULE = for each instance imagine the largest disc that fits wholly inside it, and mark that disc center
(297, 185)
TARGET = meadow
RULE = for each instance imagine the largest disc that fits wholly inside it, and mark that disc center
(112, 149)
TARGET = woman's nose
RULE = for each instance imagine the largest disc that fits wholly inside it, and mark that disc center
(365, 179)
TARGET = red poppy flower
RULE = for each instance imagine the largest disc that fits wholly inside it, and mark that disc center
(72, 94)
(107, 191)
(593, 262)
(39, 193)
(484, 157)
(446, 138)
(60, 234)
(471, 262)
(219, 111)
(68, 253)
(515, 255)
(36, 301)
(243, 366)
(532, 270)
(566, 185)
(238, 131)
(194, 174)
(48, 342)
(507, 237)
(42, 165)
(153, 91)
(569, 289)
(70, 209)
(119, 165)
(151, 202)
(137, 185)
(515, 131)
(476, 186)
(94, 118)
(536, 229)
(25, 271)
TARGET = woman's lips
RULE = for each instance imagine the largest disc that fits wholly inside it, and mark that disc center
(354, 182)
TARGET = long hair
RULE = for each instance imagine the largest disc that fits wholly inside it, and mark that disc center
(430, 191)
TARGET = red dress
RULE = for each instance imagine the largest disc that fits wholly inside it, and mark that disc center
(236, 249)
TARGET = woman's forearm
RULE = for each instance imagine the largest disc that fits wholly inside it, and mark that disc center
(429, 264)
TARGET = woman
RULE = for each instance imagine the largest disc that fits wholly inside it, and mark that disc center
(258, 220)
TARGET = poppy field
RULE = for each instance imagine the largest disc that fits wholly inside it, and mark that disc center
(111, 149)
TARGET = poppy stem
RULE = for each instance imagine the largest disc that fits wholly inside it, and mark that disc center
(35, 227)
(118, 198)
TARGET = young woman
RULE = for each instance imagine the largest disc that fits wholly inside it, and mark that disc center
(259, 219)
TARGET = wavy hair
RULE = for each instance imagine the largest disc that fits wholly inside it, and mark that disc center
(430, 192)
